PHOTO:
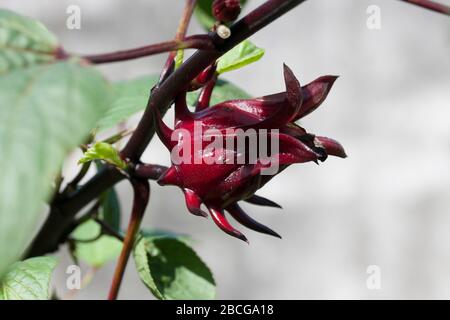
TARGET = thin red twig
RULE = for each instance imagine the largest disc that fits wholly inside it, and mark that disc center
(430, 5)
(141, 189)
(193, 42)
(181, 33)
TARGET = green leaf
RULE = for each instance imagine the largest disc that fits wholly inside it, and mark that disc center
(28, 280)
(172, 270)
(203, 12)
(98, 252)
(103, 151)
(45, 111)
(223, 91)
(110, 209)
(240, 56)
(24, 42)
(159, 233)
(130, 97)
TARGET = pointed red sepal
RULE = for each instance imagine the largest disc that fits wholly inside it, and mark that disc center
(170, 177)
(314, 94)
(331, 147)
(294, 130)
(207, 74)
(204, 77)
(182, 112)
(261, 201)
(237, 213)
(164, 132)
(204, 97)
(248, 177)
(193, 203)
(272, 111)
(294, 94)
(221, 221)
(292, 150)
(279, 109)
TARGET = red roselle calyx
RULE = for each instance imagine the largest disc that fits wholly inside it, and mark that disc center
(226, 10)
(214, 166)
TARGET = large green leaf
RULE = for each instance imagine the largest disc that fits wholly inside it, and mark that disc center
(24, 42)
(172, 270)
(45, 111)
(28, 280)
(130, 97)
(240, 56)
(223, 91)
(203, 12)
(98, 252)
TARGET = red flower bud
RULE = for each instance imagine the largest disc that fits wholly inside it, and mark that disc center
(221, 185)
(226, 10)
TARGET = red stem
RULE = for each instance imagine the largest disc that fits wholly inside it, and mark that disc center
(193, 42)
(205, 94)
(149, 171)
(141, 190)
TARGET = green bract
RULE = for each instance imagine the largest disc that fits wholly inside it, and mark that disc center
(103, 151)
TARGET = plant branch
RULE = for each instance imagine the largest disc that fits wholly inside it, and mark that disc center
(63, 211)
(98, 236)
(141, 189)
(149, 171)
(193, 42)
(81, 174)
(430, 5)
(108, 230)
(92, 213)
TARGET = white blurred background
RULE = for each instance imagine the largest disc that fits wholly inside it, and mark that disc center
(387, 204)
